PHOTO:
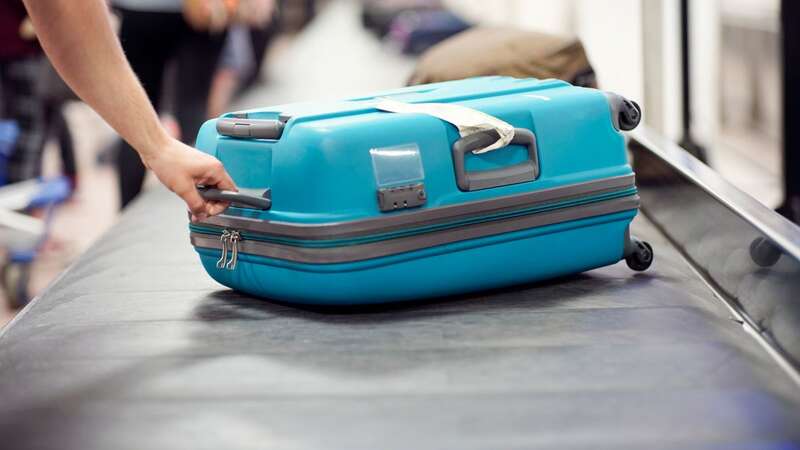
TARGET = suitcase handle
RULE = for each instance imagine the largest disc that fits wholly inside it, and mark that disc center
(485, 179)
(251, 201)
(250, 128)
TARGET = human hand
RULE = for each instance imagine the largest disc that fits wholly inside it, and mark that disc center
(209, 15)
(26, 30)
(255, 13)
(181, 168)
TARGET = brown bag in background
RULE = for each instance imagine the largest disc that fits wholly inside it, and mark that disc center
(502, 51)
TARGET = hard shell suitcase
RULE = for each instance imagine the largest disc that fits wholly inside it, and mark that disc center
(341, 203)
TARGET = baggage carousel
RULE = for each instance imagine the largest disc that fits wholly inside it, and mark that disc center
(134, 347)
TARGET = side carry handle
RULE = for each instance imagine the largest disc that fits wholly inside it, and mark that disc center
(485, 179)
(251, 201)
(250, 128)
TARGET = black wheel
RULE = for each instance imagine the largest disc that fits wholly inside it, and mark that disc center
(15, 278)
(764, 253)
(630, 115)
(642, 257)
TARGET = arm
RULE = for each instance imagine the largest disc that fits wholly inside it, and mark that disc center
(78, 39)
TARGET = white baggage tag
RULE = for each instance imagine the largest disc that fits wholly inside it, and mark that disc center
(468, 121)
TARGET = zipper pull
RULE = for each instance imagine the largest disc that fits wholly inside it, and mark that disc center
(235, 237)
(224, 239)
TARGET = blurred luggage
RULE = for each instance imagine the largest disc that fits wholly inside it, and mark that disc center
(501, 51)
(417, 31)
(344, 203)
(378, 15)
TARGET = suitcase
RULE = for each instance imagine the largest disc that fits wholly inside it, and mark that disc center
(343, 204)
(417, 31)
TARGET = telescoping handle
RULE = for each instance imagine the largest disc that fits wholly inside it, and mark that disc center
(251, 201)
(485, 179)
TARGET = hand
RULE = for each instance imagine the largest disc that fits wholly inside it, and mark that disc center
(181, 168)
(207, 15)
(26, 30)
(255, 13)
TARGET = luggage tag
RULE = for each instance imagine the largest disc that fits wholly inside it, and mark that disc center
(468, 121)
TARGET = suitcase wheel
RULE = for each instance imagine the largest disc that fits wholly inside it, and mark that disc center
(764, 253)
(630, 115)
(641, 258)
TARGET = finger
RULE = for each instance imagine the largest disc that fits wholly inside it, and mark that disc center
(211, 172)
(195, 203)
(219, 177)
(214, 208)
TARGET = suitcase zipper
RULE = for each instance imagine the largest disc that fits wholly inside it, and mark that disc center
(229, 238)
(224, 240)
(254, 236)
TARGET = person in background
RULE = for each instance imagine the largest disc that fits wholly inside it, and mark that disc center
(239, 59)
(155, 33)
(20, 66)
(53, 94)
(83, 48)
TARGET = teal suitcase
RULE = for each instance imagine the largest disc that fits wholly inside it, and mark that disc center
(341, 203)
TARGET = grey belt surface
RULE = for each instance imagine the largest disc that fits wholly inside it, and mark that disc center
(136, 348)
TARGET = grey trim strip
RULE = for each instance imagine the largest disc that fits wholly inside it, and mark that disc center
(775, 227)
(418, 218)
(353, 253)
(722, 243)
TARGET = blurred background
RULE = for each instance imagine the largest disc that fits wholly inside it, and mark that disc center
(708, 74)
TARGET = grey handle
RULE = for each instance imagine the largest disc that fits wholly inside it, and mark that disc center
(485, 179)
(264, 202)
(250, 128)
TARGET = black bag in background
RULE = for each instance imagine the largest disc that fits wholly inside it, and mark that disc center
(378, 15)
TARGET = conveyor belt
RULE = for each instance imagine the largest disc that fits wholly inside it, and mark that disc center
(136, 348)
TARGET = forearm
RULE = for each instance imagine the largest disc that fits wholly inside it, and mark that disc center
(78, 38)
